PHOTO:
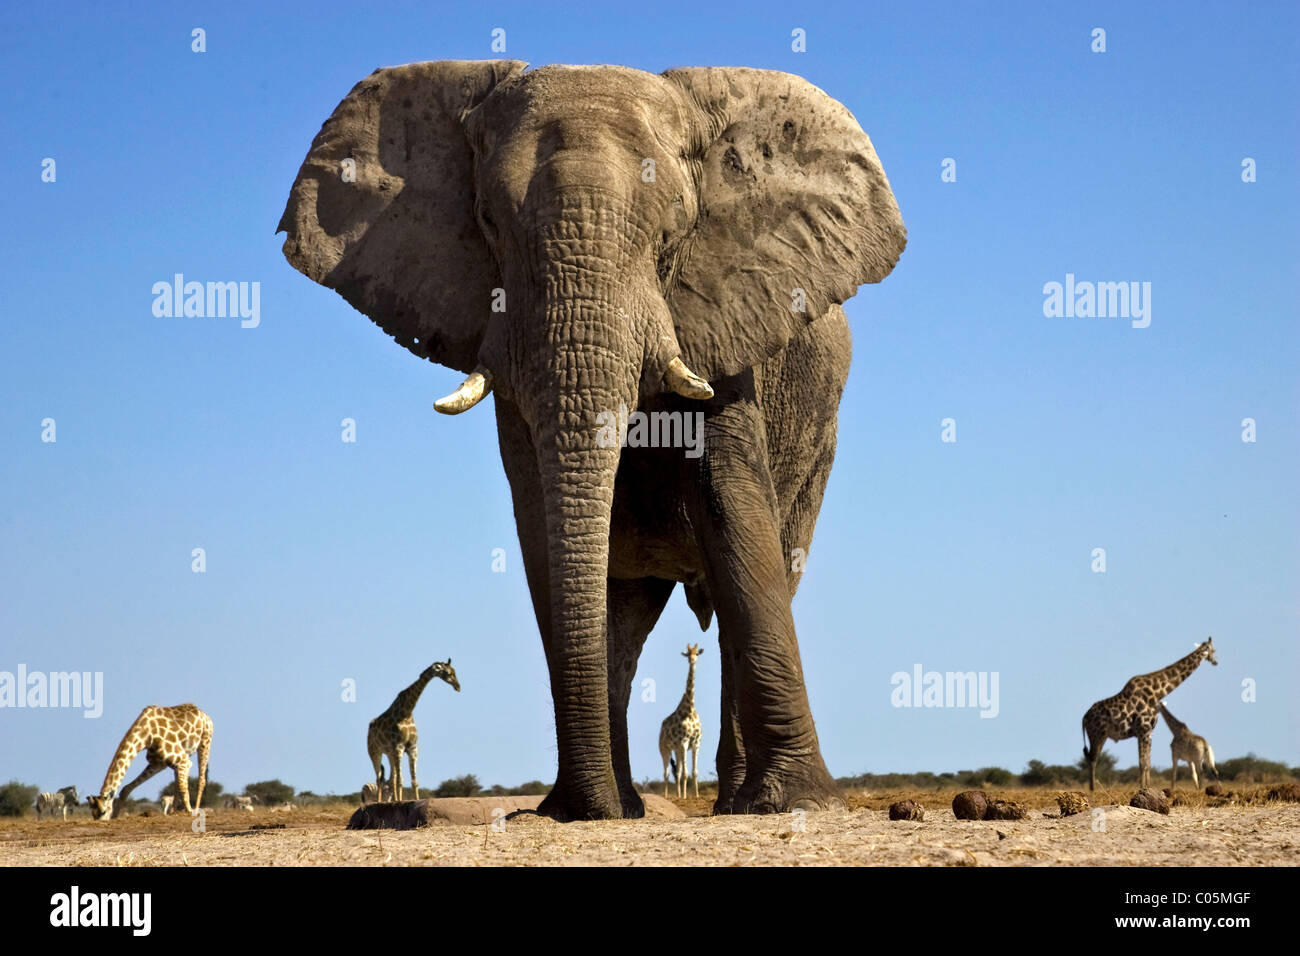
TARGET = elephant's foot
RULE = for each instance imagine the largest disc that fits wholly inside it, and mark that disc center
(805, 786)
(633, 805)
(727, 790)
(567, 803)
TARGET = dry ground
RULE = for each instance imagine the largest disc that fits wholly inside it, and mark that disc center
(1242, 831)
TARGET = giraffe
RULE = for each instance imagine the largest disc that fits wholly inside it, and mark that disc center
(1188, 746)
(681, 731)
(1134, 711)
(168, 734)
(393, 732)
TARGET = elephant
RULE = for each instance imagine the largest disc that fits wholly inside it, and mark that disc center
(589, 243)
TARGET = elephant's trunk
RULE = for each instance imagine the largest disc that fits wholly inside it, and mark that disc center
(591, 368)
(576, 366)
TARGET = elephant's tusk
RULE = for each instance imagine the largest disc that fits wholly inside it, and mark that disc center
(685, 382)
(471, 392)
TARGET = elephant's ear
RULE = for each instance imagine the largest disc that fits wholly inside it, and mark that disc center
(382, 210)
(795, 213)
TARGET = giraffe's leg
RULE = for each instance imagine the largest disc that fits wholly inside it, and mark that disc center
(205, 746)
(1173, 774)
(682, 773)
(695, 767)
(664, 754)
(395, 761)
(150, 770)
(183, 783)
(377, 761)
(1196, 779)
(412, 754)
(733, 508)
(632, 609)
(1096, 741)
(1144, 759)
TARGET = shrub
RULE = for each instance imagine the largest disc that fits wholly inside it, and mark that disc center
(16, 799)
(998, 776)
(270, 793)
(1252, 769)
(466, 786)
(1039, 774)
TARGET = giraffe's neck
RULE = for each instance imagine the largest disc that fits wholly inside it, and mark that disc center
(688, 698)
(1179, 670)
(1173, 721)
(405, 703)
(126, 752)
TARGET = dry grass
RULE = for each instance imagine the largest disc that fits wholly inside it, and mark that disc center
(1242, 829)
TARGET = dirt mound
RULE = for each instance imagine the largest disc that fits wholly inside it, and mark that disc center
(435, 811)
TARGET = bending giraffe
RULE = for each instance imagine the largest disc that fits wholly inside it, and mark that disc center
(1134, 711)
(169, 735)
(681, 731)
(1188, 746)
(393, 732)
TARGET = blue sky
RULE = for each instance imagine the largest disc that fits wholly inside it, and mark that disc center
(329, 561)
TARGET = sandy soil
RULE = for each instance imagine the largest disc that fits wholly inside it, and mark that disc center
(1240, 833)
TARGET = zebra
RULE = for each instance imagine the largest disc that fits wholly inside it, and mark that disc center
(370, 793)
(64, 800)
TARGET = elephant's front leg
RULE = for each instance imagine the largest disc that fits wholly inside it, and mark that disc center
(633, 608)
(731, 747)
(737, 524)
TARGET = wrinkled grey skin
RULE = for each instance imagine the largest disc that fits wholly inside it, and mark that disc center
(473, 176)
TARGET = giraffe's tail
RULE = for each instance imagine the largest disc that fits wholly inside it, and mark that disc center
(1087, 744)
(672, 762)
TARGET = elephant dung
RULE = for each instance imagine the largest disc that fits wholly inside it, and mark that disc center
(1071, 802)
(1288, 792)
(1005, 810)
(906, 810)
(970, 805)
(1213, 790)
(1150, 799)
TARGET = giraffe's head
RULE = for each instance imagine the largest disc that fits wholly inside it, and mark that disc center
(1209, 651)
(444, 670)
(101, 806)
(692, 651)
